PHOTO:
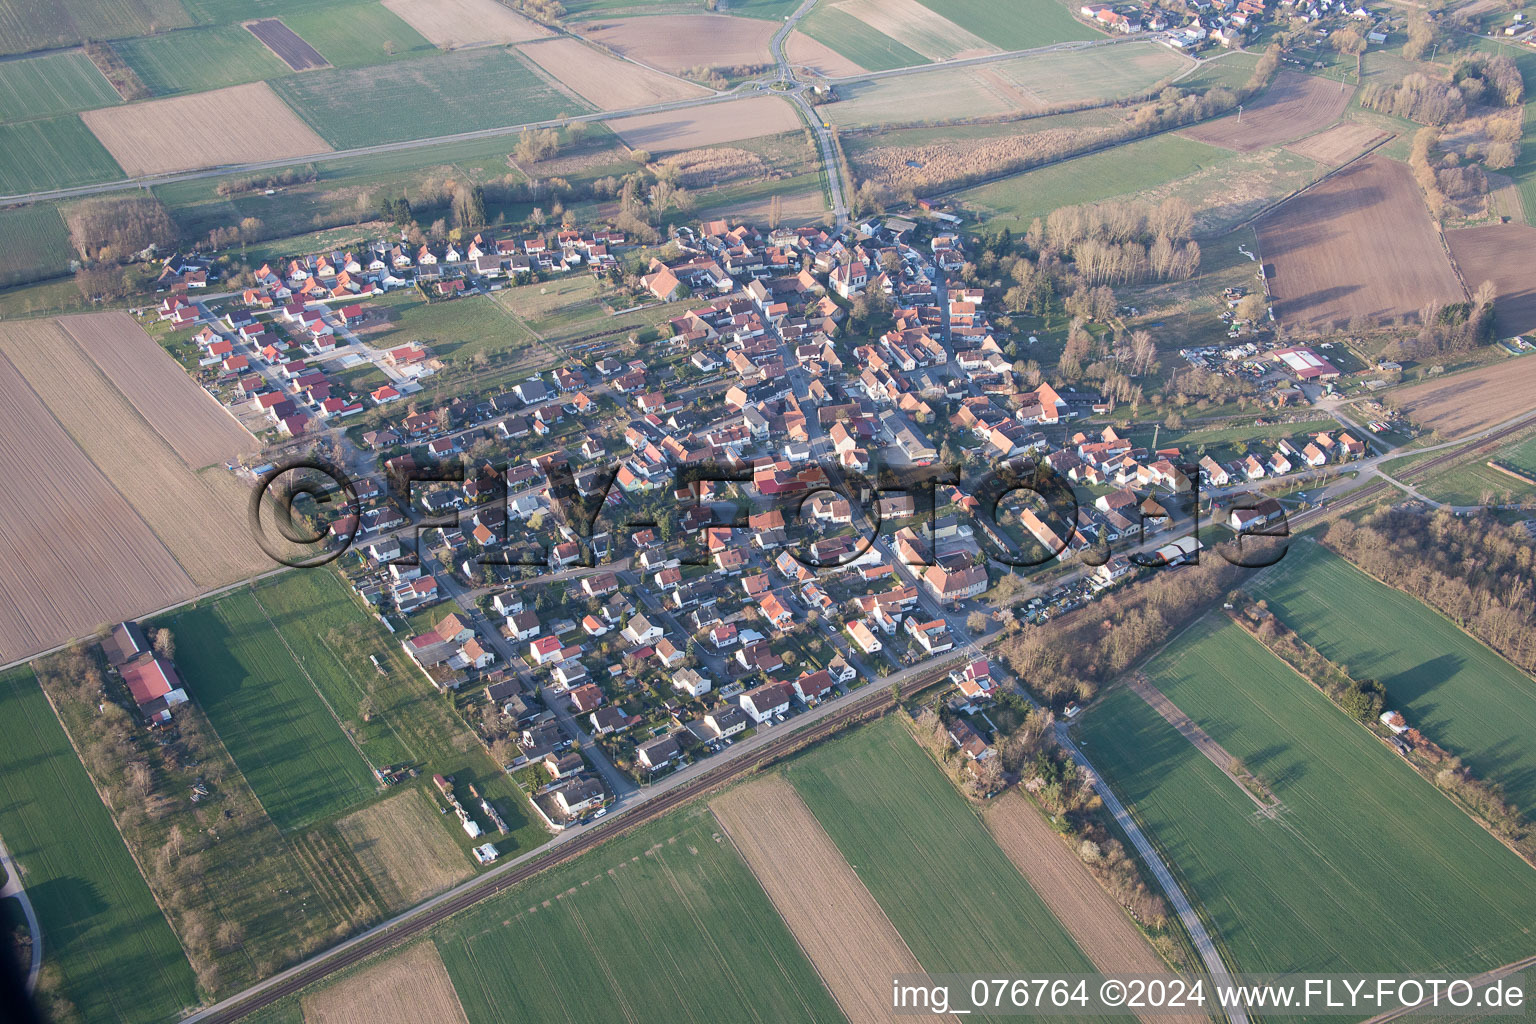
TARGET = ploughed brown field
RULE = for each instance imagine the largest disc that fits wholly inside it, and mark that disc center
(403, 849)
(801, 49)
(678, 42)
(1506, 255)
(1472, 401)
(285, 42)
(606, 82)
(1095, 921)
(240, 124)
(843, 931)
(74, 555)
(454, 23)
(1339, 144)
(412, 987)
(673, 130)
(1295, 105)
(196, 426)
(1360, 243)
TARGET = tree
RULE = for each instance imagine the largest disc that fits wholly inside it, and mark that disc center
(1253, 307)
(165, 643)
(976, 622)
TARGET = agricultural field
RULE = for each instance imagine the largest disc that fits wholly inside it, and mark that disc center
(1295, 105)
(917, 27)
(114, 566)
(268, 711)
(726, 953)
(673, 130)
(817, 57)
(199, 59)
(1124, 170)
(116, 956)
(34, 244)
(190, 420)
(1318, 884)
(427, 96)
(316, 617)
(60, 83)
(354, 35)
(817, 893)
(1021, 25)
(1449, 686)
(855, 41)
(53, 152)
(1024, 85)
(402, 988)
(1472, 401)
(1503, 254)
(404, 848)
(605, 81)
(1359, 244)
(27, 25)
(201, 519)
(454, 23)
(1339, 144)
(285, 44)
(1233, 191)
(189, 132)
(891, 811)
(680, 42)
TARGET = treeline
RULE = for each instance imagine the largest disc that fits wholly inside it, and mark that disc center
(260, 182)
(1126, 243)
(1073, 656)
(1474, 570)
(547, 11)
(116, 229)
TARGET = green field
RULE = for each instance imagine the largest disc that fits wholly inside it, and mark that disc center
(438, 95)
(268, 713)
(34, 243)
(54, 152)
(200, 59)
(1232, 71)
(116, 955)
(333, 638)
(1468, 482)
(926, 857)
(60, 83)
(460, 328)
(1524, 171)
(354, 35)
(27, 25)
(1366, 867)
(666, 923)
(1124, 170)
(1018, 25)
(1450, 687)
(866, 46)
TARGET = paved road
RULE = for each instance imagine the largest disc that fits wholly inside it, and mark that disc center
(13, 887)
(1165, 881)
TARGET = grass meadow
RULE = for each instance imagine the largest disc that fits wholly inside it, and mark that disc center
(435, 95)
(59, 83)
(200, 59)
(34, 243)
(1020, 25)
(663, 923)
(863, 44)
(1448, 685)
(926, 857)
(412, 723)
(1365, 868)
(1134, 167)
(355, 35)
(53, 152)
(1467, 483)
(116, 957)
(268, 712)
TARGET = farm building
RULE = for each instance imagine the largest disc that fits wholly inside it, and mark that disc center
(1306, 364)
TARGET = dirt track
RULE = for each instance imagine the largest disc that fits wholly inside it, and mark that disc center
(844, 933)
(1359, 244)
(1295, 105)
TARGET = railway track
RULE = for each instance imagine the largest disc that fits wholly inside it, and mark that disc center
(877, 702)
